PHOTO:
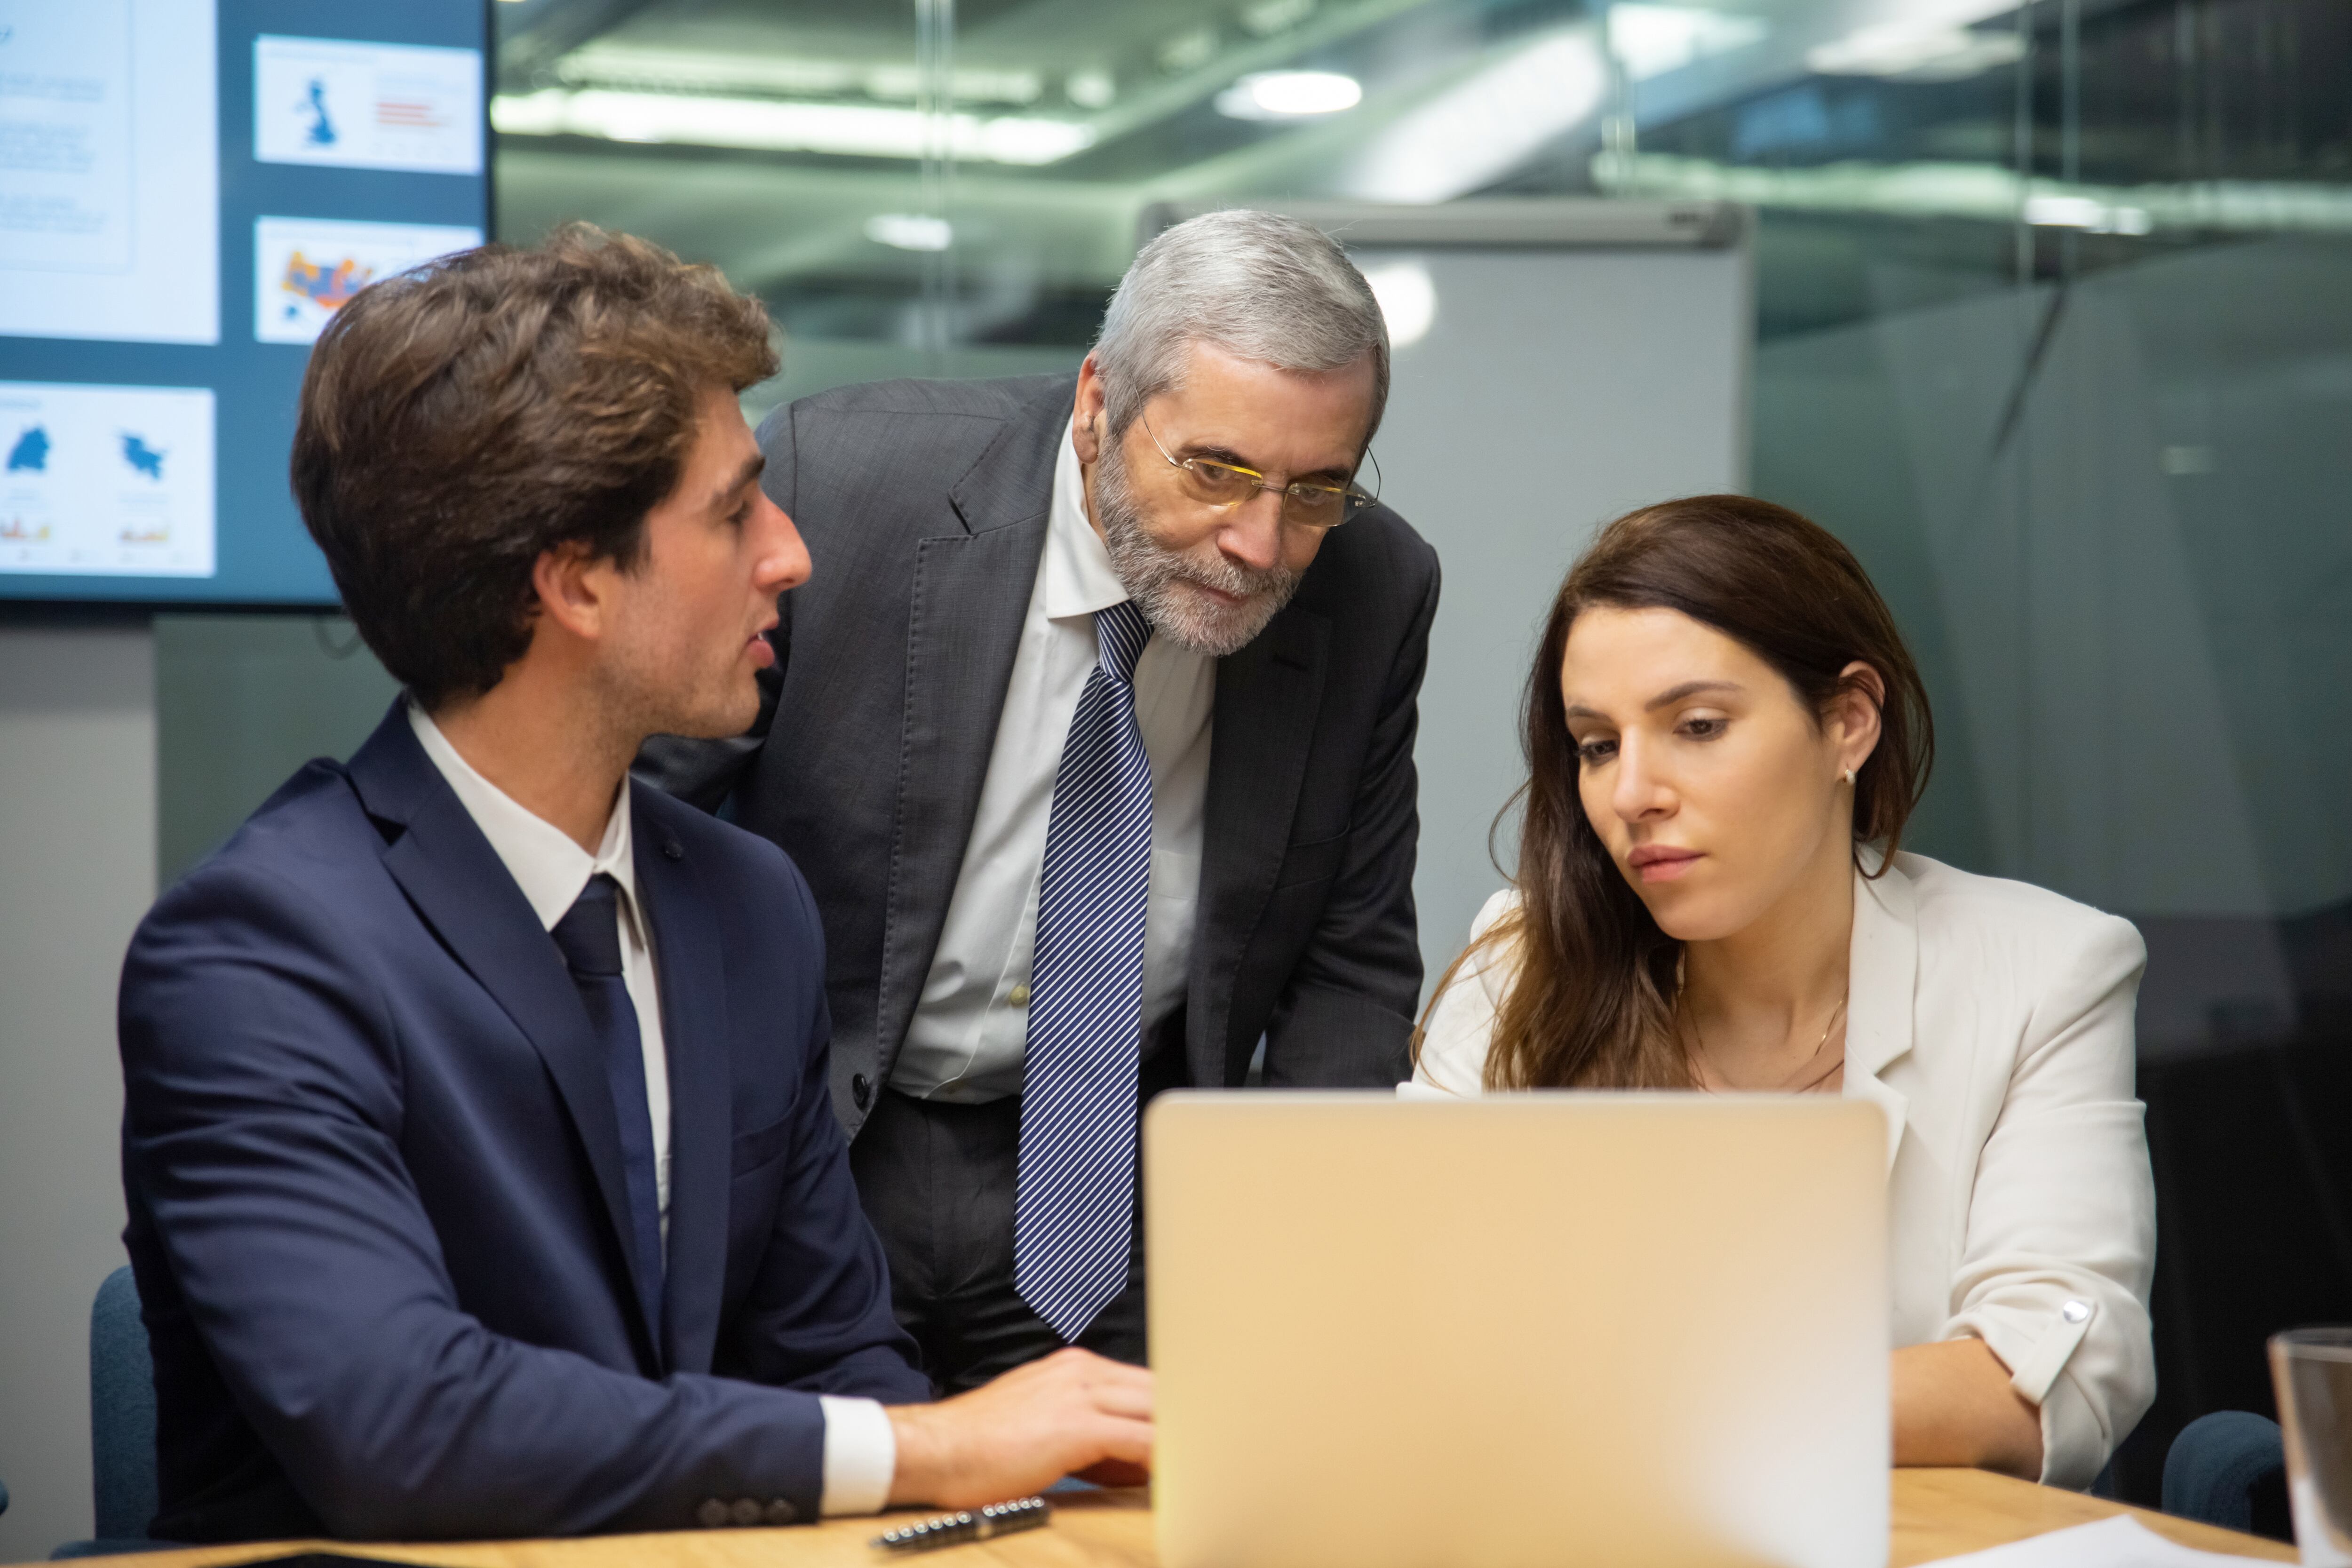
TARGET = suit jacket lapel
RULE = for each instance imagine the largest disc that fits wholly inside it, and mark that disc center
(1267, 695)
(971, 587)
(462, 889)
(1883, 975)
(686, 945)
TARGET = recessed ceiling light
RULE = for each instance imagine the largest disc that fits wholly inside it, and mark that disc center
(1268, 17)
(1289, 94)
(909, 231)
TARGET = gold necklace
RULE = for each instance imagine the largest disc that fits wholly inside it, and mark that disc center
(1810, 1085)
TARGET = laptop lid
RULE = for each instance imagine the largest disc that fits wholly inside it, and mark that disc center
(1610, 1327)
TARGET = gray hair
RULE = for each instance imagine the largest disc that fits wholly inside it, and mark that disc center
(1263, 286)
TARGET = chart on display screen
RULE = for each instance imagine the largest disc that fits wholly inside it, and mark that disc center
(189, 190)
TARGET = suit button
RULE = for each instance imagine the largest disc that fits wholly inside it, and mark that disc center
(780, 1511)
(712, 1513)
(2074, 1312)
(861, 1089)
(746, 1511)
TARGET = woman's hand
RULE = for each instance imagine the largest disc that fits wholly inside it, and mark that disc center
(1953, 1405)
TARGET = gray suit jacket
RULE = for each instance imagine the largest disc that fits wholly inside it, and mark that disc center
(924, 506)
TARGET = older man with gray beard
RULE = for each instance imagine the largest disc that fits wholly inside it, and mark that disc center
(1092, 733)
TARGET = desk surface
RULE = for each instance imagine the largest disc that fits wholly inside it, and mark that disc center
(1938, 1513)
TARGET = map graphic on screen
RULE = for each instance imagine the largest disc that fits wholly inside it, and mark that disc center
(304, 269)
(367, 106)
(188, 195)
(106, 480)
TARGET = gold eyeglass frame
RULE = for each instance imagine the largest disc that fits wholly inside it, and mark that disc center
(1353, 496)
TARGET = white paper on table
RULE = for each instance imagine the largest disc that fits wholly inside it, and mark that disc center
(2122, 1541)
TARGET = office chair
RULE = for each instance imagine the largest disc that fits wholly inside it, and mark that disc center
(2229, 1468)
(121, 1424)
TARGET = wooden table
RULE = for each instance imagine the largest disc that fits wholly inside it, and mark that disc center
(1938, 1513)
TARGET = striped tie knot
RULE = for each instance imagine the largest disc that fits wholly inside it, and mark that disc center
(1120, 633)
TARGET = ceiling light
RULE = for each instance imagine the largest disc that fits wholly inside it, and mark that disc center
(1188, 50)
(1991, 194)
(769, 125)
(1650, 40)
(2087, 212)
(636, 68)
(1910, 51)
(1289, 94)
(1475, 131)
(911, 231)
(1091, 88)
(1408, 300)
(1268, 17)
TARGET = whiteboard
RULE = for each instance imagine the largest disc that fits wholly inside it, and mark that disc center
(1553, 390)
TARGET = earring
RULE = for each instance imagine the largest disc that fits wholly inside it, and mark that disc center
(1849, 775)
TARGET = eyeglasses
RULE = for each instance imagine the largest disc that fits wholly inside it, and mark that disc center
(1310, 503)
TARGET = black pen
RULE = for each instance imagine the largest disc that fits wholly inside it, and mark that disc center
(948, 1529)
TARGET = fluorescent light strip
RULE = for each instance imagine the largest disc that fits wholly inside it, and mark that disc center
(624, 68)
(1986, 191)
(768, 125)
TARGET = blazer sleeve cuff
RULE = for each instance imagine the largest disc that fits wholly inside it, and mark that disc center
(2074, 1445)
(2036, 1348)
(2042, 1357)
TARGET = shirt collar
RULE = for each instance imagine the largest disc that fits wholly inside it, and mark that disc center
(1079, 578)
(550, 869)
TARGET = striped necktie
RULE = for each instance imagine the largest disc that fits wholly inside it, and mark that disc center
(1074, 1212)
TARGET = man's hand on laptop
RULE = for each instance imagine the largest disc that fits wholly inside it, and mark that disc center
(1074, 1412)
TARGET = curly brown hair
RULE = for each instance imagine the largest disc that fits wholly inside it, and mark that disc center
(460, 420)
(1592, 979)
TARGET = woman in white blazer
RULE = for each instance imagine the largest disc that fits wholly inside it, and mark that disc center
(1726, 735)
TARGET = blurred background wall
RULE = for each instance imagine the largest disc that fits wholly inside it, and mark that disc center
(2052, 323)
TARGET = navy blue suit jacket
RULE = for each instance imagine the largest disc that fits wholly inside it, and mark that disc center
(376, 1194)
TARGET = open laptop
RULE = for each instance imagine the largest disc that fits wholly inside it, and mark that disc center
(1610, 1328)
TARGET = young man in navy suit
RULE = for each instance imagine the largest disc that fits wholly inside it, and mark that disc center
(482, 1170)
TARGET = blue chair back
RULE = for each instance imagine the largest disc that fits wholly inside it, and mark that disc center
(2228, 1469)
(121, 1412)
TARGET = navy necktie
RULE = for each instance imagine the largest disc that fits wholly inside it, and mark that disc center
(1074, 1210)
(590, 937)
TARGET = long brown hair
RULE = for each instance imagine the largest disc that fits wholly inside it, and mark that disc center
(1591, 978)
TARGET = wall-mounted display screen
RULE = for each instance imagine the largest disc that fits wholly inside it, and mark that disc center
(189, 190)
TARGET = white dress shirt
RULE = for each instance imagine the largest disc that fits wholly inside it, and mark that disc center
(970, 1032)
(860, 1450)
(1991, 1022)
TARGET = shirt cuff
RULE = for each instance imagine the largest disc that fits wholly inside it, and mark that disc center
(861, 1456)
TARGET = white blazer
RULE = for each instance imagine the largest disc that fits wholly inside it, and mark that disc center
(1991, 1021)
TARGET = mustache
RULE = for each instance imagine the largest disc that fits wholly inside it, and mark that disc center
(1231, 577)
